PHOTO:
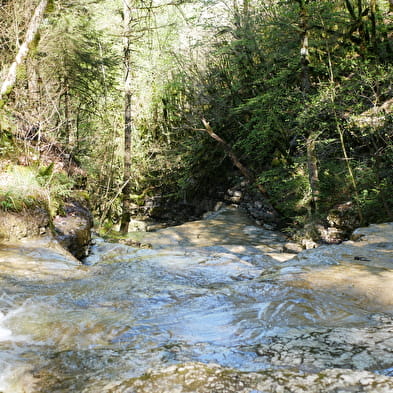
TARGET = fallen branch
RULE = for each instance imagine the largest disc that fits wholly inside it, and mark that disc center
(374, 117)
(243, 169)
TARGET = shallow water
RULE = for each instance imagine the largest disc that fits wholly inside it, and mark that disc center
(107, 326)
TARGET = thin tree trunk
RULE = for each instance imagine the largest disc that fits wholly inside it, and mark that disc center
(126, 215)
(312, 160)
(9, 81)
(349, 167)
(304, 55)
(312, 164)
(373, 19)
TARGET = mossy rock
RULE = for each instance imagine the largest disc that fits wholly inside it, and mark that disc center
(24, 224)
(73, 226)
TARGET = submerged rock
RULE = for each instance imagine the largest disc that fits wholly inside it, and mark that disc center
(37, 259)
(215, 306)
(201, 378)
(319, 348)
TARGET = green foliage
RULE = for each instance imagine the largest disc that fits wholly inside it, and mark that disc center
(289, 189)
(6, 143)
(7, 203)
(243, 73)
(50, 6)
(46, 173)
(20, 189)
(249, 88)
(23, 188)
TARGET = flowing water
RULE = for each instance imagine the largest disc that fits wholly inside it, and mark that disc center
(214, 306)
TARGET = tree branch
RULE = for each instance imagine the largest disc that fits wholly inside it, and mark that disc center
(9, 81)
(243, 169)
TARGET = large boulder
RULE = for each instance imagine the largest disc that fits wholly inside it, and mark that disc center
(28, 223)
(73, 227)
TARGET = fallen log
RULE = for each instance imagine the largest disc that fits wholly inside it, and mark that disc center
(242, 168)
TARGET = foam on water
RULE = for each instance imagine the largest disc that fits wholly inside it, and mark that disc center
(15, 373)
(5, 333)
(15, 378)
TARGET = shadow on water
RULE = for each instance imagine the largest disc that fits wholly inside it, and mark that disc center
(177, 317)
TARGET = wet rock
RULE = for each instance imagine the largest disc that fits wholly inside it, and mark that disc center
(73, 228)
(377, 234)
(234, 195)
(361, 348)
(201, 378)
(292, 247)
(41, 258)
(362, 269)
(229, 225)
(309, 244)
(332, 235)
(253, 203)
(344, 218)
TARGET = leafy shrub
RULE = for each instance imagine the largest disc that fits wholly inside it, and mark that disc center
(19, 186)
(288, 188)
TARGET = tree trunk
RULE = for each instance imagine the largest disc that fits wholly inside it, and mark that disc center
(304, 55)
(312, 164)
(312, 160)
(373, 20)
(126, 215)
(9, 81)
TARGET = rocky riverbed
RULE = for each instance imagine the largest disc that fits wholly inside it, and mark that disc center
(216, 305)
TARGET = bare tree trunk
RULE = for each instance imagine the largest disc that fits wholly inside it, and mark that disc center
(312, 164)
(126, 215)
(304, 55)
(312, 160)
(9, 81)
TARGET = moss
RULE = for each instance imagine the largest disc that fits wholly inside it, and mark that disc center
(81, 195)
(21, 73)
(33, 46)
(7, 146)
(29, 222)
(25, 187)
(13, 203)
(7, 93)
(50, 6)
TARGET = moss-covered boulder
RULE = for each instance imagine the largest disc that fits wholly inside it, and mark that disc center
(73, 226)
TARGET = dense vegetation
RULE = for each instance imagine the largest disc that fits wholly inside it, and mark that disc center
(301, 90)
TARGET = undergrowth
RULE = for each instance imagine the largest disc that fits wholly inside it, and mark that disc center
(23, 188)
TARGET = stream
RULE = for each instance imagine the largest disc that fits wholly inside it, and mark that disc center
(212, 306)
